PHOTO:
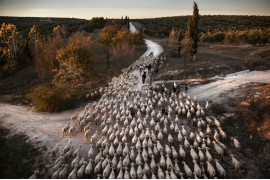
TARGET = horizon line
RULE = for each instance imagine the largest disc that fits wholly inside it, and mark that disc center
(133, 18)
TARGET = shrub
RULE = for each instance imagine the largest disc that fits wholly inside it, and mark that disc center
(51, 99)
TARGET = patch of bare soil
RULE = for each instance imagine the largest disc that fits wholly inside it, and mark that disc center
(18, 158)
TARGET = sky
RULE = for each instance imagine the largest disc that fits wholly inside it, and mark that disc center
(86, 9)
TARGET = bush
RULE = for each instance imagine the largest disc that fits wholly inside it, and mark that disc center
(51, 99)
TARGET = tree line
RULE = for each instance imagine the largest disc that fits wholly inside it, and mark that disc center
(212, 28)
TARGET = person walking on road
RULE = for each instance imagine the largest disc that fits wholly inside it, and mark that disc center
(143, 77)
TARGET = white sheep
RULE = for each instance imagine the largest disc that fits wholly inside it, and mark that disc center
(187, 170)
(235, 162)
(220, 169)
(89, 167)
(63, 172)
(55, 150)
(236, 144)
(65, 129)
(80, 172)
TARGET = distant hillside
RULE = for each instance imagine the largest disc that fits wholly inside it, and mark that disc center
(161, 27)
(45, 25)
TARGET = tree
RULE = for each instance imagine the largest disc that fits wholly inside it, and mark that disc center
(75, 58)
(179, 44)
(34, 38)
(172, 44)
(106, 38)
(10, 47)
(45, 56)
(192, 35)
(59, 31)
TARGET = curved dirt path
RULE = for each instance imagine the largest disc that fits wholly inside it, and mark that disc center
(45, 129)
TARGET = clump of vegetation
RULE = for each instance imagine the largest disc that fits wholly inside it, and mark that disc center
(118, 42)
(51, 98)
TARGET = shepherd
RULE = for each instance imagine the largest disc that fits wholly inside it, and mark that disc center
(143, 77)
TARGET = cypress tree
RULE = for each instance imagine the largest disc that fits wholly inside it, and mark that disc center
(192, 35)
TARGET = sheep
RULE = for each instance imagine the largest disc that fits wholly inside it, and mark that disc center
(65, 129)
(153, 163)
(94, 137)
(193, 154)
(105, 162)
(55, 150)
(168, 161)
(223, 146)
(99, 155)
(236, 144)
(56, 173)
(98, 167)
(197, 169)
(82, 160)
(126, 175)
(120, 174)
(74, 117)
(89, 167)
(187, 170)
(77, 151)
(106, 171)
(208, 155)
(182, 153)
(218, 149)
(235, 162)
(68, 154)
(73, 173)
(120, 164)
(72, 130)
(139, 171)
(220, 169)
(132, 171)
(91, 152)
(67, 147)
(174, 153)
(80, 172)
(201, 155)
(58, 165)
(87, 134)
(222, 133)
(146, 167)
(35, 175)
(167, 175)
(210, 169)
(160, 172)
(126, 160)
(63, 172)
(75, 161)
(111, 150)
(162, 160)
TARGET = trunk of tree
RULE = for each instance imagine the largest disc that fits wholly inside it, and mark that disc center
(107, 56)
(194, 57)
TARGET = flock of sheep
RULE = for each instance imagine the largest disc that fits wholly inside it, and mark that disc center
(145, 131)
